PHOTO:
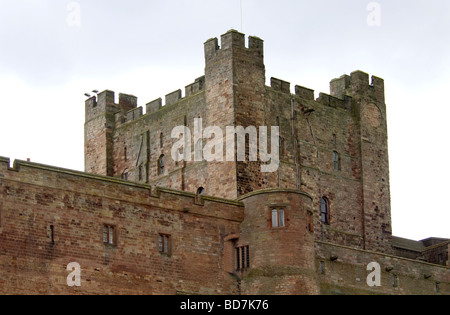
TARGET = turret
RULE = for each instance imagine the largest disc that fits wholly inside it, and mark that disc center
(100, 122)
(278, 236)
(369, 109)
(235, 87)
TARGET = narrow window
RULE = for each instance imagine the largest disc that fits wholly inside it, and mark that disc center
(164, 243)
(125, 175)
(324, 211)
(247, 248)
(52, 234)
(161, 165)
(336, 161)
(125, 154)
(395, 281)
(141, 172)
(109, 235)
(105, 234)
(322, 267)
(242, 257)
(440, 258)
(238, 258)
(277, 218)
(310, 222)
(436, 288)
(161, 140)
(334, 139)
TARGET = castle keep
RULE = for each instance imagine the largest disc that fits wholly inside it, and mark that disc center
(139, 222)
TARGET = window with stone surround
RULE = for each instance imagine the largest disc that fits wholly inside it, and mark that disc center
(164, 241)
(278, 218)
(109, 235)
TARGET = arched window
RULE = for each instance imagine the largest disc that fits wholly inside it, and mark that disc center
(200, 191)
(324, 210)
(336, 161)
(161, 165)
(199, 194)
(125, 174)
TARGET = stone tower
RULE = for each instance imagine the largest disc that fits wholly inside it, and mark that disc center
(333, 147)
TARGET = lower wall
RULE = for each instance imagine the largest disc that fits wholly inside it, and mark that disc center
(52, 217)
(343, 270)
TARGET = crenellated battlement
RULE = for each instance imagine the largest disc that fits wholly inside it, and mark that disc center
(233, 40)
(357, 83)
(280, 85)
(104, 103)
(341, 90)
(127, 110)
(334, 102)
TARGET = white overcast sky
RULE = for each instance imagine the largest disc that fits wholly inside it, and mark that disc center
(54, 51)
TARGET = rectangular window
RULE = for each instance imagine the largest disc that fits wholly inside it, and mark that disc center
(242, 258)
(278, 218)
(164, 243)
(109, 235)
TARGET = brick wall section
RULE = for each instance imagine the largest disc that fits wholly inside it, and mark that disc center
(33, 197)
